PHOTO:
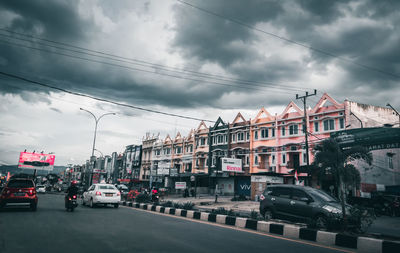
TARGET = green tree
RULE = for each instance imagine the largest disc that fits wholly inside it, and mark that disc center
(329, 156)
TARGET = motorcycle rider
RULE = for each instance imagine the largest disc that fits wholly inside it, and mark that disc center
(71, 191)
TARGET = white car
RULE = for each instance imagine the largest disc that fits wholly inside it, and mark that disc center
(102, 194)
(40, 189)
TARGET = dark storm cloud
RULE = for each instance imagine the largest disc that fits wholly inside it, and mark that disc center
(209, 38)
(201, 39)
(365, 32)
(56, 19)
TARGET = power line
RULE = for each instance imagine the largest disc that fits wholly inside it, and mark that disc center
(146, 63)
(143, 70)
(236, 21)
(101, 99)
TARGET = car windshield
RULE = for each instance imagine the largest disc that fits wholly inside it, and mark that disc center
(322, 196)
(20, 184)
(106, 187)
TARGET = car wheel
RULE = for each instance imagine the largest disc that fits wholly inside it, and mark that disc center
(91, 203)
(116, 205)
(321, 222)
(268, 215)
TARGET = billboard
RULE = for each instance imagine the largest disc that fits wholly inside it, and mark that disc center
(231, 165)
(36, 161)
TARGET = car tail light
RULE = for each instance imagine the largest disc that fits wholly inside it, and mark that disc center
(262, 197)
(118, 194)
(74, 196)
(98, 193)
(31, 192)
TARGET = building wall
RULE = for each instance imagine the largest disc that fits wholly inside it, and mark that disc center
(370, 115)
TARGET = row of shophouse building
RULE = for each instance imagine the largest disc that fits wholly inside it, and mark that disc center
(271, 148)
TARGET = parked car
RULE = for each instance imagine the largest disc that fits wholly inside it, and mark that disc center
(124, 191)
(300, 203)
(19, 190)
(40, 189)
(102, 194)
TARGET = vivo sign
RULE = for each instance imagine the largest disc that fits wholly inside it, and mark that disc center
(231, 165)
(36, 161)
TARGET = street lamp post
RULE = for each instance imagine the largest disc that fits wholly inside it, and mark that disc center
(95, 128)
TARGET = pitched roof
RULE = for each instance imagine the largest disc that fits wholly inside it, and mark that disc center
(291, 110)
(263, 114)
(327, 102)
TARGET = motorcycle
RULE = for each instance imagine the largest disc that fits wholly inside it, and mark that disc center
(155, 198)
(71, 203)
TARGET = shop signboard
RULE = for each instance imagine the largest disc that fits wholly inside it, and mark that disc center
(180, 185)
(232, 165)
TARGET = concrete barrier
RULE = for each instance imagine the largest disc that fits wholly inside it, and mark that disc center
(178, 212)
(240, 222)
(326, 238)
(290, 231)
(204, 216)
(263, 226)
(167, 210)
(190, 214)
(221, 218)
(158, 208)
(369, 245)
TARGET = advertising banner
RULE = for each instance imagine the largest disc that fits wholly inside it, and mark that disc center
(180, 185)
(36, 161)
(232, 165)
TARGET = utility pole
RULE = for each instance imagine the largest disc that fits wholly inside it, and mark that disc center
(305, 123)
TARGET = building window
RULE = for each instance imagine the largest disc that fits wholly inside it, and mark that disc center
(329, 125)
(233, 137)
(341, 123)
(304, 158)
(256, 135)
(273, 132)
(248, 135)
(293, 129)
(273, 159)
(283, 131)
(283, 158)
(178, 150)
(240, 137)
(202, 141)
(247, 160)
(390, 160)
(256, 160)
(316, 126)
(264, 133)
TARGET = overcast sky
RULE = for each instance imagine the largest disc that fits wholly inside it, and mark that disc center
(195, 58)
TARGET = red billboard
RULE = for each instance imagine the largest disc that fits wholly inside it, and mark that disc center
(36, 161)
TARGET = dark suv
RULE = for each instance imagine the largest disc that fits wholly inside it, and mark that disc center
(301, 203)
(19, 190)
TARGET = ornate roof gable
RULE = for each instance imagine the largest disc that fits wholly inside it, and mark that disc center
(291, 109)
(326, 101)
(263, 114)
(238, 119)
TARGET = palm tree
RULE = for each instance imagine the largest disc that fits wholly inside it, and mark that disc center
(330, 156)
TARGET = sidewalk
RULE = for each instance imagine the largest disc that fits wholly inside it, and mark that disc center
(207, 202)
(384, 225)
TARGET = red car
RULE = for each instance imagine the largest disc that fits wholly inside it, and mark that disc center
(19, 190)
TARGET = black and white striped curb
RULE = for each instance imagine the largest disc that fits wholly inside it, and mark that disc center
(361, 244)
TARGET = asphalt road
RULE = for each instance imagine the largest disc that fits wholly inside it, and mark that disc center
(106, 229)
